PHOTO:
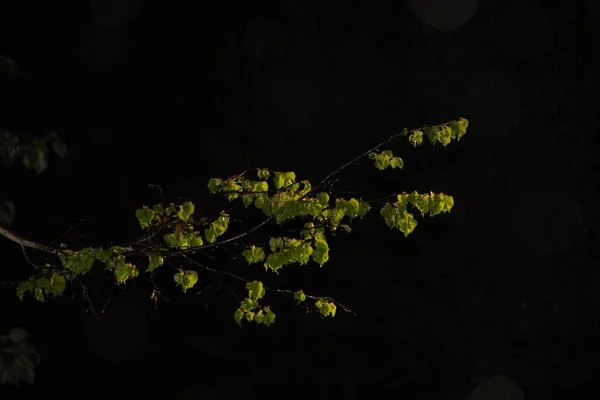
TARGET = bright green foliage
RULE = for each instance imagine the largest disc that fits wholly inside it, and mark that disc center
(263, 173)
(124, 272)
(396, 215)
(255, 290)
(179, 230)
(79, 262)
(154, 261)
(254, 254)
(323, 199)
(41, 287)
(144, 216)
(285, 250)
(300, 296)
(326, 308)
(446, 132)
(320, 254)
(121, 269)
(183, 239)
(416, 138)
(386, 159)
(186, 279)
(251, 310)
(185, 211)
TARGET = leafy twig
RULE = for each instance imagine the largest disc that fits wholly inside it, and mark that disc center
(284, 292)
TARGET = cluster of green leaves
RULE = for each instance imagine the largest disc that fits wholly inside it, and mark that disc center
(277, 195)
(250, 308)
(443, 133)
(386, 159)
(396, 214)
(40, 287)
(326, 307)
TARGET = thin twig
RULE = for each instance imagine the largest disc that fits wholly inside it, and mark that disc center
(159, 190)
(85, 295)
(108, 300)
(284, 292)
(24, 248)
(70, 229)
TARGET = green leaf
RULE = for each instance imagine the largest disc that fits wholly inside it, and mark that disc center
(158, 209)
(247, 199)
(320, 253)
(255, 290)
(275, 244)
(268, 318)
(185, 211)
(326, 308)
(170, 210)
(144, 216)
(79, 262)
(386, 159)
(210, 235)
(420, 201)
(459, 128)
(278, 180)
(214, 185)
(124, 272)
(432, 133)
(306, 187)
(249, 304)
(449, 200)
(221, 224)
(407, 223)
(346, 228)
(238, 315)
(24, 287)
(300, 296)
(186, 279)
(263, 173)
(323, 198)
(445, 135)
(254, 254)
(281, 179)
(363, 208)
(154, 261)
(390, 215)
(276, 261)
(351, 207)
(416, 138)
(57, 286)
(396, 162)
(195, 240)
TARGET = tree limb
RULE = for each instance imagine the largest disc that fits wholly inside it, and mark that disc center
(10, 235)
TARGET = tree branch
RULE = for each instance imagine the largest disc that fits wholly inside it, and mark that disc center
(130, 247)
(10, 235)
(284, 292)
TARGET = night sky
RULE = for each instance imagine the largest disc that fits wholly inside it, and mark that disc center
(172, 95)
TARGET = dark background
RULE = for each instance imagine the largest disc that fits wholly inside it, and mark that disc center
(176, 94)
